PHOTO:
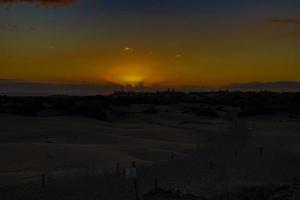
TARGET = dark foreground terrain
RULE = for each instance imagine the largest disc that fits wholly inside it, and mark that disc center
(224, 145)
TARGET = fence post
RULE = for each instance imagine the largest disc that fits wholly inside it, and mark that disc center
(260, 150)
(172, 155)
(43, 180)
(118, 168)
(155, 183)
(136, 189)
(211, 165)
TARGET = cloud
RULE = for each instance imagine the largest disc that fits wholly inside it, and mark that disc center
(14, 27)
(286, 21)
(23, 87)
(281, 86)
(7, 27)
(40, 2)
(128, 50)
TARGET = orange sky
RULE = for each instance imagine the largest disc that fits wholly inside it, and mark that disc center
(201, 44)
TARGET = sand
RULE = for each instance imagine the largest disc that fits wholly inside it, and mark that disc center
(79, 155)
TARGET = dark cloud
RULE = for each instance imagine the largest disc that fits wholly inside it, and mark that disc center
(7, 27)
(22, 87)
(13, 27)
(281, 86)
(286, 21)
(40, 2)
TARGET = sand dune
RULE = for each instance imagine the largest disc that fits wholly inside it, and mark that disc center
(30, 146)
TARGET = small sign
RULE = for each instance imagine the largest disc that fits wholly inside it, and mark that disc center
(130, 172)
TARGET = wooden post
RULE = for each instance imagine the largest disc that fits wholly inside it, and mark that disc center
(236, 153)
(136, 189)
(211, 165)
(155, 183)
(118, 168)
(172, 155)
(261, 150)
(133, 164)
(43, 180)
(198, 148)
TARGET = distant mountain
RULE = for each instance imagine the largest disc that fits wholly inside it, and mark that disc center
(24, 88)
(280, 86)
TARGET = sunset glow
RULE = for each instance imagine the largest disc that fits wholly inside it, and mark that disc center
(132, 75)
(179, 43)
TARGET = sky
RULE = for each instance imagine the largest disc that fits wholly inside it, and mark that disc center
(209, 43)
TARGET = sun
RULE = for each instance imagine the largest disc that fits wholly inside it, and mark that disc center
(131, 75)
(132, 79)
(127, 74)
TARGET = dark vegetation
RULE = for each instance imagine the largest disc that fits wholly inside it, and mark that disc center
(169, 194)
(268, 109)
(273, 192)
(264, 192)
(208, 112)
(250, 103)
(151, 111)
(202, 111)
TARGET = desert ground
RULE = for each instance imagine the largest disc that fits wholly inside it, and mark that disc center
(206, 157)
